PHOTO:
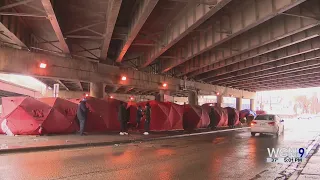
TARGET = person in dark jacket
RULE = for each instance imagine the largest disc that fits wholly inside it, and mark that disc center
(82, 115)
(139, 116)
(147, 113)
(212, 119)
(122, 112)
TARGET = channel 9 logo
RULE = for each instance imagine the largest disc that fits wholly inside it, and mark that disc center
(286, 155)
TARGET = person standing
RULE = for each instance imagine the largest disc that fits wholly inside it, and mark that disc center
(139, 116)
(147, 113)
(212, 118)
(82, 115)
(122, 119)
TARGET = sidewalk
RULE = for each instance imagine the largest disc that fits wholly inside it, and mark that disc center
(312, 169)
(15, 144)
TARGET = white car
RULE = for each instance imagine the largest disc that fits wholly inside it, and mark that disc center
(267, 123)
(306, 116)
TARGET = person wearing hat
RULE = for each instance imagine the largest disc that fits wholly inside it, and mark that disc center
(82, 115)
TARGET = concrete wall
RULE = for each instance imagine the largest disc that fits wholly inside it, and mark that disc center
(79, 94)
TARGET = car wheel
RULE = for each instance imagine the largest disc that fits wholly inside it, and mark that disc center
(253, 134)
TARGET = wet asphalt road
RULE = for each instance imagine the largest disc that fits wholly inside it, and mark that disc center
(227, 155)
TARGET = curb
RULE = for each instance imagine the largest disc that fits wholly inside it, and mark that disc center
(313, 145)
(97, 144)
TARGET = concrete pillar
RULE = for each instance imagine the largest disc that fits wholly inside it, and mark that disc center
(160, 96)
(219, 100)
(252, 107)
(96, 90)
(239, 104)
(193, 98)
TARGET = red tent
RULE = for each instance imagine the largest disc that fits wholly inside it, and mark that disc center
(195, 117)
(97, 116)
(1, 119)
(220, 113)
(233, 114)
(62, 116)
(175, 116)
(112, 117)
(25, 115)
(159, 116)
(132, 112)
(165, 116)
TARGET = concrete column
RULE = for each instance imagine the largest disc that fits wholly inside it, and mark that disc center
(239, 104)
(193, 98)
(160, 96)
(96, 90)
(219, 100)
(252, 107)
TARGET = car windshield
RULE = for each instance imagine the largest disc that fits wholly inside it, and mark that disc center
(265, 117)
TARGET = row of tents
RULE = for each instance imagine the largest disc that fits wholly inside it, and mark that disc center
(30, 116)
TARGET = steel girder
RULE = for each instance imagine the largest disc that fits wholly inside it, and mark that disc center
(139, 18)
(287, 55)
(183, 24)
(249, 14)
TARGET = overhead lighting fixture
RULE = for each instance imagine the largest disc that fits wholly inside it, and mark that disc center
(87, 95)
(111, 97)
(43, 65)
(164, 85)
(131, 98)
(123, 78)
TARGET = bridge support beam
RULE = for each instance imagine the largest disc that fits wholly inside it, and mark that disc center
(96, 90)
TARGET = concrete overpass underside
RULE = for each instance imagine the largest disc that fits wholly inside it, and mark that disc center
(230, 47)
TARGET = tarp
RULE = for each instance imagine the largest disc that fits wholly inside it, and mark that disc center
(175, 116)
(246, 112)
(220, 113)
(159, 116)
(112, 113)
(25, 115)
(195, 117)
(165, 116)
(62, 117)
(98, 116)
(1, 119)
(233, 116)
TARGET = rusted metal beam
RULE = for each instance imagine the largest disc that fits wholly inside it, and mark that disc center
(84, 37)
(293, 82)
(190, 18)
(62, 84)
(12, 37)
(139, 17)
(22, 14)
(286, 53)
(246, 16)
(84, 27)
(55, 25)
(80, 85)
(309, 60)
(254, 43)
(112, 15)
(281, 78)
(294, 68)
(15, 4)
